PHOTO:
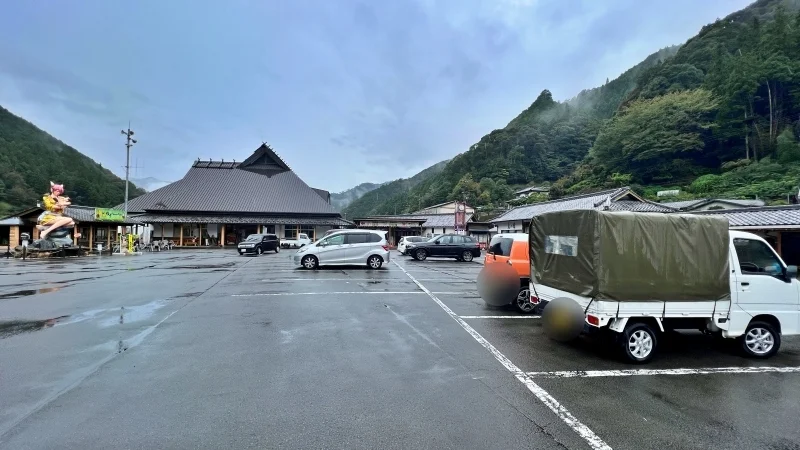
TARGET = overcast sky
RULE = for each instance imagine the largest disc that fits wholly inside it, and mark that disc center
(346, 91)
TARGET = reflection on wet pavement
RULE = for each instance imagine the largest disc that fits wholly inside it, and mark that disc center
(10, 328)
(27, 292)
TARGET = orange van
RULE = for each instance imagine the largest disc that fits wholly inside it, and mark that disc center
(512, 249)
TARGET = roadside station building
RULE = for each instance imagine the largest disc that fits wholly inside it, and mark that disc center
(95, 228)
(219, 203)
(429, 221)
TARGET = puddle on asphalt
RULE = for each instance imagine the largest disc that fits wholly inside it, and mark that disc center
(123, 315)
(28, 292)
(10, 328)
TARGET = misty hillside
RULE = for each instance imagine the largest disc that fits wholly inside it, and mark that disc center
(716, 116)
(381, 200)
(340, 200)
(30, 158)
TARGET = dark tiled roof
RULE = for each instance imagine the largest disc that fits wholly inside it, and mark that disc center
(645, 206)
(173, 218)
(765, 216)
(263, 186)
(696, 203)
(324, 194)
(425, 220)
(593, 200)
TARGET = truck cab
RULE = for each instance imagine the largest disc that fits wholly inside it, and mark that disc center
(763, 289)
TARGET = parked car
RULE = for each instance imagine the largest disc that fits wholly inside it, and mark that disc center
(462, 248)
(347, 247)
(259, 243)
(405, 240)
(512, 249)
(637, 276)
(301, 241)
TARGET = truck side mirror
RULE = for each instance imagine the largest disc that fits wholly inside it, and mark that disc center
(790, 273)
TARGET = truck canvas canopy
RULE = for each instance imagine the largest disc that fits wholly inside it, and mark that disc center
(626, 256)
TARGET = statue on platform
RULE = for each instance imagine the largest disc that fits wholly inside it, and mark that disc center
(52, 223)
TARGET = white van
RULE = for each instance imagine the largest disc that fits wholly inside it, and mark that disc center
(346, 247)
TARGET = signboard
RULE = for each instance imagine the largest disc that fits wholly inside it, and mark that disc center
(461, 216)
(667, 193)
(108, 215)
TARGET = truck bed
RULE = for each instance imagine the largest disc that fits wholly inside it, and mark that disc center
(614, 309)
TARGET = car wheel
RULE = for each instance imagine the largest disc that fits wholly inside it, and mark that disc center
(309, 262)
(277, 249)
(374, 262)
(523, 301)
(421, 255)
(639, 342)
(466, 256)
(760, 340)
(259, 251)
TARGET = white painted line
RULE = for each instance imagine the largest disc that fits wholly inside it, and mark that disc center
(281, 280)
(501, 317)
(286, 294)
(649, 372)
(583, 431)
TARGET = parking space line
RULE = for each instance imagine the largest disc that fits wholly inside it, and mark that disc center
(287, 294)
(273, 280)
(501, 317)
(650, 372)
(583, 431)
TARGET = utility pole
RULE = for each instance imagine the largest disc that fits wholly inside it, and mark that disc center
(128, 144)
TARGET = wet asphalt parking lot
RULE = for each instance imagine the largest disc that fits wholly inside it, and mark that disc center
(206, 349)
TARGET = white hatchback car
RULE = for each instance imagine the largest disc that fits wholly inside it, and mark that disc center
(347, 247)
(405, 240)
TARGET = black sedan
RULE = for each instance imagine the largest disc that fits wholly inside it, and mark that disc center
(256, 244)
(462, 248)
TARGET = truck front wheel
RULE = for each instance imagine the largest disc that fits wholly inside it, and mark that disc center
(760, 340)
(639, 342)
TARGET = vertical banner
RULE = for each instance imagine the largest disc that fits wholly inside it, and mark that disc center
(461, 217)
(130, 243)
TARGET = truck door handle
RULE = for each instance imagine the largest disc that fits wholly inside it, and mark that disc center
(745, 283)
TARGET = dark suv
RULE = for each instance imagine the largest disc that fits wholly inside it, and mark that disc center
(462, 248)
(259, 243)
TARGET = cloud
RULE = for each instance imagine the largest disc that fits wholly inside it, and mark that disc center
(343, 90)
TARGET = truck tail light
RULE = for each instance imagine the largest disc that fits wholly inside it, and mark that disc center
(593, 320)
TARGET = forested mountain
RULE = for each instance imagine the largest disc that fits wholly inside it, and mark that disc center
(716, 116)
(340, 200)
(383, 200)
(30, 158)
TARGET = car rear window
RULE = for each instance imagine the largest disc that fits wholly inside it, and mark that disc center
(374, 238)
(500, 246)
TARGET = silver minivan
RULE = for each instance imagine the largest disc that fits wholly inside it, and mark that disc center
(346, 247)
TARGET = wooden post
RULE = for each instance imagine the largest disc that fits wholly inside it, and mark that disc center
(108, 237)
(180, 241)
(222, 235)
(13, 236)
(91, 235)
(778, 244)
(35, 233)
(74, 235)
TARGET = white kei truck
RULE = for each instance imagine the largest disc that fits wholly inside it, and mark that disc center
(638, 275)
(301, 241)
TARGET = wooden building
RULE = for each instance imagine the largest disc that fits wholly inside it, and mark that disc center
(219, 203)
(93, 230)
